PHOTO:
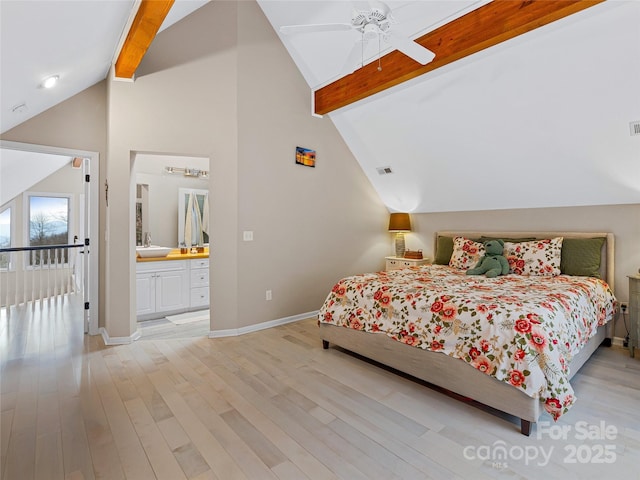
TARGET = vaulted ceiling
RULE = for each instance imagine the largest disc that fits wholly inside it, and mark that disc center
(539, 120)
(77, 40)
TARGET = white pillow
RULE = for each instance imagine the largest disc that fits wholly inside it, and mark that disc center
(538, 257)
(466, 253)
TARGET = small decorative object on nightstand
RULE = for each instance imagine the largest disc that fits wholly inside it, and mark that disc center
(394, 263)
(399, 223)
(634, 312)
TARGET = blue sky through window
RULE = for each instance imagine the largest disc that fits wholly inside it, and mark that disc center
(5, 228)
(53, 210)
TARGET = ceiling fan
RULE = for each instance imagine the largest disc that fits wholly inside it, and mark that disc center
(373, 20)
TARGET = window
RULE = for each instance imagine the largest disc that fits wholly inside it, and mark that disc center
(48, 225)
(5, 237)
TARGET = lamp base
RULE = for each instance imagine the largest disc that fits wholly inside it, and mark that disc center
(400, 245)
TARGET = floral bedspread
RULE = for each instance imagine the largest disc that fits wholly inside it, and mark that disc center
(521, 330)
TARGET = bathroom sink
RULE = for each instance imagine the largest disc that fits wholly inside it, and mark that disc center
(153, 251)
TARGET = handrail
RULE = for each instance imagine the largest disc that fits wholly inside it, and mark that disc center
(41, 247)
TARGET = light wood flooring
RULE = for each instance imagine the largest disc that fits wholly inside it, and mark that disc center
(274, 405)
(162, 328)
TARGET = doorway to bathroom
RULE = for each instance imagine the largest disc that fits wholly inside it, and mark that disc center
(170, 214)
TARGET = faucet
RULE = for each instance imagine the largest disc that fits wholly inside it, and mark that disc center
(147, 239)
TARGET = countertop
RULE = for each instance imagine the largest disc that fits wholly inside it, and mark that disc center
(175, 255)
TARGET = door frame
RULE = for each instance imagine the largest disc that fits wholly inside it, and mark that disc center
(92, 214)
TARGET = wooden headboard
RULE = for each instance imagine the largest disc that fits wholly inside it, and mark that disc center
(607, 256)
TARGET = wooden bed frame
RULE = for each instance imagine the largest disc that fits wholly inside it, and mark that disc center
(456, 376)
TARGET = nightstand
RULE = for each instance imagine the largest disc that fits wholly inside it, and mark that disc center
(634, 312)
(394, 263)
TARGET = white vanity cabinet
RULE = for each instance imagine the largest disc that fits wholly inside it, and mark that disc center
(162, 286)
(199, 283)
(171, 286)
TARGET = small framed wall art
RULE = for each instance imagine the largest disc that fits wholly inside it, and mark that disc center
(306, 157)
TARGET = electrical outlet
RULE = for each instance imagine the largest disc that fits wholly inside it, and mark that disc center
(268, 295)
(624, 306)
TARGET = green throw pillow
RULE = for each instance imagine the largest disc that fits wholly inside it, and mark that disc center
(444, 249)
(581, 256)
(511, 240)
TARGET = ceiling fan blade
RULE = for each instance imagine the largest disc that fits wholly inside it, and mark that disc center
(411, 49)
(354, 60)
(321, 27)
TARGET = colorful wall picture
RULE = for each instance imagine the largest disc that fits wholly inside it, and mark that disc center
(305, 157)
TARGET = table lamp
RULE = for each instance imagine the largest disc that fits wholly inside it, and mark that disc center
(399, 223)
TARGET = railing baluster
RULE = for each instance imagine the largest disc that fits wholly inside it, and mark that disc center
(72, 268)
(6, 291)
(33, 289)
(55, 275)
(37, 278)
(24, 287)
(41, 283)
(15, 284)
(56, 262)
(59, 265)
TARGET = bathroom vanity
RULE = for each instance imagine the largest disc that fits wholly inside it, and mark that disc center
(173, 284)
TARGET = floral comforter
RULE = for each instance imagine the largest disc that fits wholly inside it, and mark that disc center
(521, 330)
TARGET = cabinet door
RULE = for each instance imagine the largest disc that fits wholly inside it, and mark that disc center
(145, 293)
(172, 290)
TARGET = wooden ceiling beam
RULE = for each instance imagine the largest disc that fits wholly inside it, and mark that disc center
(144, 28)
(482, 28)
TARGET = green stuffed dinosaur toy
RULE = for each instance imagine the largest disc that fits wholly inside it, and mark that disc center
(493, 263)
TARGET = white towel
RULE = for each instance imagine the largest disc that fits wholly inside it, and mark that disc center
(188, 222)
(197, 222)
(205, 215)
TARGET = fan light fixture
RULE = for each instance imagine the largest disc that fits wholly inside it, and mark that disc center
(372, 23)
(51, 81)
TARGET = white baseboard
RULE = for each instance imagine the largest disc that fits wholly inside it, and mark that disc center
(118, 340)
(234, 332)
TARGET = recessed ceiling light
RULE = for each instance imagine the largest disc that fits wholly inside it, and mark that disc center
(50, 82)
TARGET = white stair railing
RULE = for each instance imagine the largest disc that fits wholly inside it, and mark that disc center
(39, 273)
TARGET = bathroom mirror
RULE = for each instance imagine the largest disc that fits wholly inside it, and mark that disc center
(142, 212)
(193, 217)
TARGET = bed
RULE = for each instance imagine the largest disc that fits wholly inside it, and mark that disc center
(512, 342)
